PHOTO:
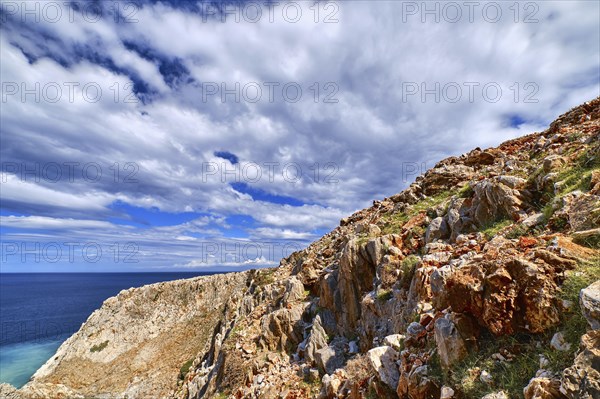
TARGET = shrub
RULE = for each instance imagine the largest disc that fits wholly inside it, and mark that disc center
(100, 347)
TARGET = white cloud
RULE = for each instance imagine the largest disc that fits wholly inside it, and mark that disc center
(370, 136)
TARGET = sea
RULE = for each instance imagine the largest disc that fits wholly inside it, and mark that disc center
(39, 311)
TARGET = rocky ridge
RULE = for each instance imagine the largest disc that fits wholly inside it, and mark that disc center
(481, 280)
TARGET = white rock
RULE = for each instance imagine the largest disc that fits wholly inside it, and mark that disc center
(383, 360)
(558, 342)
(589, 298)
(447, 393)
(486, 377)
(353, 347)
(395, 341)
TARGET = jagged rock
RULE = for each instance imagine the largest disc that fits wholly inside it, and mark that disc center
(439, 178)
(294, 290)
(439, 292)
(331, 384)
(417, 385)
(356, 275)
(582, 380)
(316, 340)
(438, 228)
(282, 329)
(493, 298)
(450, 345)
(589, 299)
(478, 157)
(582, 210)
(331, 357)
(383, 361)
(497, 198)
(543, 388)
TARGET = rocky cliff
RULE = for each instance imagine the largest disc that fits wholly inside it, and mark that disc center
(479, 280)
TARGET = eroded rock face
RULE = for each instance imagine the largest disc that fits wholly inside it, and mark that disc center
(582, 380)
(498, 198)
(505, 295)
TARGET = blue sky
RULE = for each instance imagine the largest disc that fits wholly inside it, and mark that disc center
(166, 135)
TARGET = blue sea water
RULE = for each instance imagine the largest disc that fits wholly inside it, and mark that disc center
(38, 311)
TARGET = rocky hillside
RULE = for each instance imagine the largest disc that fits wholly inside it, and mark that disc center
(479, 280)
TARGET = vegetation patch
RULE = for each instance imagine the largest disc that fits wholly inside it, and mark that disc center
(98, 348)
(384, 295)
(265, 277)
(492, 229)
(185, 369)
(408, 267)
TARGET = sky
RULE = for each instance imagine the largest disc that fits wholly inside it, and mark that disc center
(204, 136)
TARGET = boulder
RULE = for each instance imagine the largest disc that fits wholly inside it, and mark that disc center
(416, 384)
(497, 198)
(316, 340)
(396, 341)
(331, 357)
(294, 290)
(383, 360)
(589, 299)
(582, 379)
(543, 388)
(451, 347)
(438, 228)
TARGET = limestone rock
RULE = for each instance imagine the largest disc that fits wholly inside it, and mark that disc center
(316, 340)
(543, 388)
(558, 342)
(451, 347)
(496, 395)
(438, 228)
(582, 379)
(383, 361)
(417, 385)
(589, 299)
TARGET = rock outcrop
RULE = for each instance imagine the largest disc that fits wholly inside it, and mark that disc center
(454, 288)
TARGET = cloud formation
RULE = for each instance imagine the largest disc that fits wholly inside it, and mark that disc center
(143, 119)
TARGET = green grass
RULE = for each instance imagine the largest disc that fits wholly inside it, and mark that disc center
(100, 347)
(466, 191)
(264, 277)
(185, 369)
(492, 229)
(517, 231)
(384, 295)
(408, 267)
(393, 222)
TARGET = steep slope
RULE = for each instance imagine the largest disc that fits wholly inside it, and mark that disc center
(471, 282)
